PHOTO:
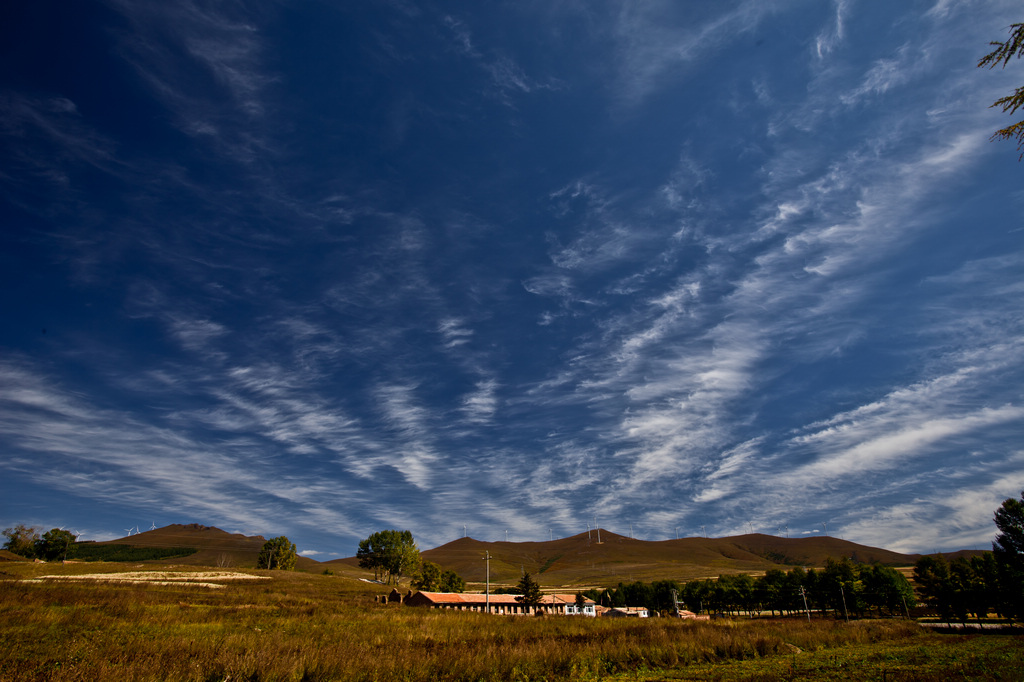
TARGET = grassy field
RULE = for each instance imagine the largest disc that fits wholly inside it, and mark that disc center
(299, 626)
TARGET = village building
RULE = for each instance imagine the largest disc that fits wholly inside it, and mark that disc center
(554, 604)
(690, 615)
(626, 612)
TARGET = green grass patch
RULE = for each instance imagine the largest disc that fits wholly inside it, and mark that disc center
(549, 563)
(922, 658)
(91, 552)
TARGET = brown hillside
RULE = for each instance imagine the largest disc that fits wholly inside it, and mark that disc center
(216, 547)
(6, 555)
(581, 560)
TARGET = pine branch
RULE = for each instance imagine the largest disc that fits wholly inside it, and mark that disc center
(1005, 51)
(1011, 103)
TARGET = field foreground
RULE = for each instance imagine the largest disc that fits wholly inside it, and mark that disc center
(295, 626)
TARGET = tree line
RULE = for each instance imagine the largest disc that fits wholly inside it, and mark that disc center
(957, 589)
(52, 545)
(840, 588)
(994, 581)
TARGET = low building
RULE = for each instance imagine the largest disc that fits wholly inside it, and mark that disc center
(626, 612)
(555, 604)
(690, 615)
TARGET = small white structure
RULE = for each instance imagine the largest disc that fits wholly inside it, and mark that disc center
(589, 607)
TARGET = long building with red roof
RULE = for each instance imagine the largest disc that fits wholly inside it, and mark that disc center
(555, 604)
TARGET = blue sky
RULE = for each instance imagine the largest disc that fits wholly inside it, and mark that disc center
(324, 268)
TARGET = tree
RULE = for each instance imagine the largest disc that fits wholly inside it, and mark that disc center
(794, 589)
(698, 595)
(389, 553)
(936, 585)
(1009, 555)
(1009, 520)
(529, 592)
(840, 588)
(21, 540)
(368, 559)
(664, 600)
(429, 577)
(1014, 46)
(769, 588)
(969, 589)
(987, 569)
(277, 553)
(56, 543)
(452, 582)
(638, 594)
(886, 589)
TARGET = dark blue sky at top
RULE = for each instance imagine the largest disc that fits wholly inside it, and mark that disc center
(324, 268)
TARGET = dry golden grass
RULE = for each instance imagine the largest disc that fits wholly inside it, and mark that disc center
(298, 626)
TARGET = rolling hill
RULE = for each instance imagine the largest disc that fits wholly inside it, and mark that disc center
(576, 561)
(215, 546)
(11, 556)
(581, 561)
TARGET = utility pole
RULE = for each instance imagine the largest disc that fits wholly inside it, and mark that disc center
(675, 602)
(487, 582)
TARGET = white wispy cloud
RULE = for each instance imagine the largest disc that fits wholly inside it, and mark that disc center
(553, 284)
(224, 43)
(196, 335)
(682, 363)
(911, 527)
(506, 76)
(54, 123)
(829, 38)
(105, 453)
(454, 333)
(481, 405)
(886, 74)
(414, 424)
(649, 44)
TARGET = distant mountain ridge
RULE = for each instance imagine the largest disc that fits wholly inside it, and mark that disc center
(576, 560)
(582, 560)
